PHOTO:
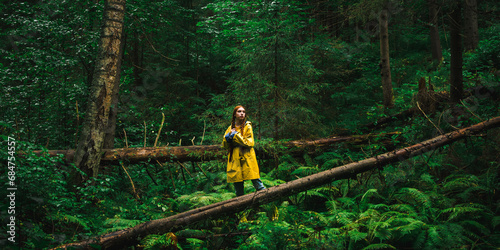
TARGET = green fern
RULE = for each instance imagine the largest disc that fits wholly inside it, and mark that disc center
(453, 183)
(404, 208)
(115, 224)
(165, 241)
(411, 226)
(200, 198)
(380, 207)
(415, 196)
(434, 238)
(69, 219)
(357, 235)
(368, 194)
(305, 171)
(347, 202)
(332, 205)
(344, 218)
(474, 230)
(428, 179)
(469, 210)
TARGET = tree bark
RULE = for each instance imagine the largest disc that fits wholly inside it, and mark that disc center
(470, 25)
(129, 236)
(199, 153)
(109, 137)
(88, 152)
(385, 68)
(456, 78)
(434, 31)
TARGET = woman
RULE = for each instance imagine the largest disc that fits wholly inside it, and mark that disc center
(242, 162)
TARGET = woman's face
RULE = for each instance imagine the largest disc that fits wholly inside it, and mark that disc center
(240, 114)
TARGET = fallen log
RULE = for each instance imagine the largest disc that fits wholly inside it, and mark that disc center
(131, 236)
(198, 153)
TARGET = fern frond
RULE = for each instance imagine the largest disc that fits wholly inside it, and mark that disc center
(153, 241)
(379, 229)
(461, 183)
(344, 218)
(68, 218)
(330, 191)
(404, 208)
(474, 229)
(381, 206)
(460, 210)
(434, 239)
(305, 171)
(315, 193)
(421, 239)
(357, 235)
(411, 226)
(332, 205)
(369, 193)
(428, 179)
(413, 195)
(115, 224)
(272, 182)
(347, 202)
(369, 214)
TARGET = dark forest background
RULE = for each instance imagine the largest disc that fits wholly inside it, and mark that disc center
(304, 70)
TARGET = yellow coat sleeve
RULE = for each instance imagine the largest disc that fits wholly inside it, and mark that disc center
(245, 139)
(226, 144)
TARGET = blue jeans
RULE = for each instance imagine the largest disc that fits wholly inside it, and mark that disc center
(240, 190)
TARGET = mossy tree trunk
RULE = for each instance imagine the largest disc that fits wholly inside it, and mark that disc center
(105, 78)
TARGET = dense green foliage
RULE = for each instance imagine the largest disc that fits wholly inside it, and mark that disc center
(302, 71)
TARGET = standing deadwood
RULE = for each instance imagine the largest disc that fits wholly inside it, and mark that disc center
(88, 153)
(456, 78)
(437, 54)
(385, 68)
(129, 236)
(471, 38)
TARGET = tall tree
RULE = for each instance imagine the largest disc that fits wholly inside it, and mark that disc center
(379, 9)
(471, 37)
(456, 78)
(437, 54)
(105, 77)
(385, 67)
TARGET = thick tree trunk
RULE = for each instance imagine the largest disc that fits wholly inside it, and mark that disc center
(434, 31)
(470, 25)
(88, 153)
(109, 137)
(129, 236)
(456, 78)
(200, 153)
(385, 68)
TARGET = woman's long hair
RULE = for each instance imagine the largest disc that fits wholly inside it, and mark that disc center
(233, 120)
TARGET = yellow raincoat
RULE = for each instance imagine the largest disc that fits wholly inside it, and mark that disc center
(242, 162)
